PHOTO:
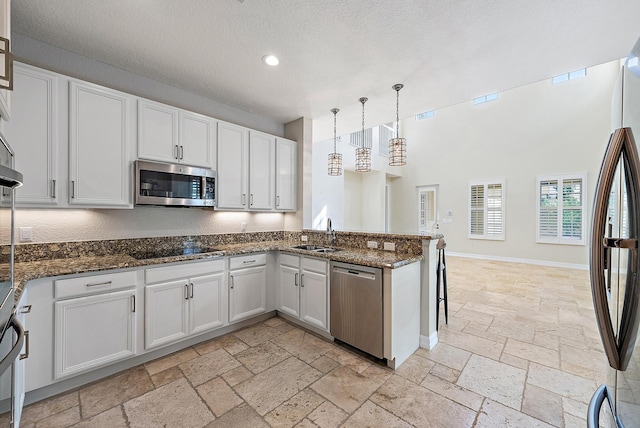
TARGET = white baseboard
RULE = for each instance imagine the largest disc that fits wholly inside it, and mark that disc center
(429, 342)
(516, 260)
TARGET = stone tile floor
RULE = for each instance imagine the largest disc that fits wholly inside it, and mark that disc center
(521, 350)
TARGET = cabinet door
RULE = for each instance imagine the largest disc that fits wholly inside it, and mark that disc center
(19, 387)
(286, 174)
(157, 132)
(94, 331)
(165, 312)
(247, 293)
(205, 303)
(197, 139)
(313, 296)
(33, 133)
(233, 159)
(289, 291)
(262, 152)
(5, 31)
(99, 144)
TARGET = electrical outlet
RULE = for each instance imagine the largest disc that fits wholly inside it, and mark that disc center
(304, 238)
(389, 246)
(243, 226)
(26, 234)
(372, 244)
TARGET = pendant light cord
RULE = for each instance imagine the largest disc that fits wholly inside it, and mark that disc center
(397, 113)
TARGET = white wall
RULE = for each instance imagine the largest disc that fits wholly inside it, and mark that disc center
(532, 130)
(85, 225)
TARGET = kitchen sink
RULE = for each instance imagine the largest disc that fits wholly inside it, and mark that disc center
(316, 248)
(307, 247)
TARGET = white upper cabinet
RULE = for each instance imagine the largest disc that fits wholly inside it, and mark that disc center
(157, 131)
(5, 31)
(262, 152)
(233, 165)
(286, 174)
(32, 132)
(100, 140)
(169, 134)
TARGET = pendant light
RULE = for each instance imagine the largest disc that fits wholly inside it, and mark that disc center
(397, 146)
(363, 154)
(335, 158)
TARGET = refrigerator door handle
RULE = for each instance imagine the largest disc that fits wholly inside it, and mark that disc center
(621, 147)
(593, 414)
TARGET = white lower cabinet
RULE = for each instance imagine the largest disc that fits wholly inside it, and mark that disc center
(177, 308)
(93, 331)
(247, 286)
(304, 289)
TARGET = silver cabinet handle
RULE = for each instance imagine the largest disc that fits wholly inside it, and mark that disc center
(97, 284)
(73, 189)
(181, 152)
(302, 280)
(176, 152)
(53, 189)
(25, 309)
(191, 285)
(231, 281)
(244, 197)
(251, 199)
(296, 280)
(248, 261)
(186, 291)
(277, 200)
(133, 303)
(26, 346)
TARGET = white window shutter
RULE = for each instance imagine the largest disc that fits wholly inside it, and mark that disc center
(561, 212)
(486, 209)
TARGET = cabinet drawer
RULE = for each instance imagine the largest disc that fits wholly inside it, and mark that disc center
(94, 283)
(314, 265)
(247, 261)
(187, 270)
(289, 260)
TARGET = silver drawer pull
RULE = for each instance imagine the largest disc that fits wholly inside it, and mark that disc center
(295, 283)
(232, 281)
(99, 283)
(26, 346)
(133, 301)
(248, 261)
(25, 309)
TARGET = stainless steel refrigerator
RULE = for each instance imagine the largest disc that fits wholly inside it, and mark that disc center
(614, 258)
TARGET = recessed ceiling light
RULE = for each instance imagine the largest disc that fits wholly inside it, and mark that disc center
(271, 60)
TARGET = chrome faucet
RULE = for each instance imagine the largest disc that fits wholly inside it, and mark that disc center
(331, 234)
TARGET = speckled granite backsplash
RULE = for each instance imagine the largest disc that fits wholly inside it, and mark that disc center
(63, 250)
(410, 245)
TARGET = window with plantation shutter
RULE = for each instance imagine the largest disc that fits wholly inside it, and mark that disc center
(561, 209)
(486, 209)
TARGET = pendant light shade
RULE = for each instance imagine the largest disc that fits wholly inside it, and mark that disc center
(363, 154)
(335, 158)
(397, 145)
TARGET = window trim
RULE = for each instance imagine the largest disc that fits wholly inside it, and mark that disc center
(486, 183)
(558, 239)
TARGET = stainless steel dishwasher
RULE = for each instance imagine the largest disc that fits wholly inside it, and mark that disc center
(356, 306)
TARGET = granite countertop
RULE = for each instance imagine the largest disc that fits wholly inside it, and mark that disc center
(27, 271)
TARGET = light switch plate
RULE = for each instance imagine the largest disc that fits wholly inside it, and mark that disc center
(389, 246)
(26, 234)
(372, 244)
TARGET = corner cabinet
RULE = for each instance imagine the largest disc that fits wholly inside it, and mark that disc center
(101, 136)
(304, 289)
(286, 174)
(182, 301)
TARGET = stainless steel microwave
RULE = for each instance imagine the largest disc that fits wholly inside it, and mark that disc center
(174, 185)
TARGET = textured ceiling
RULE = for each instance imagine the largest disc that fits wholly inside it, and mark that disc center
(334, 51)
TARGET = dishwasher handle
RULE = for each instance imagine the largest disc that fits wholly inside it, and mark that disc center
(354, 272)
